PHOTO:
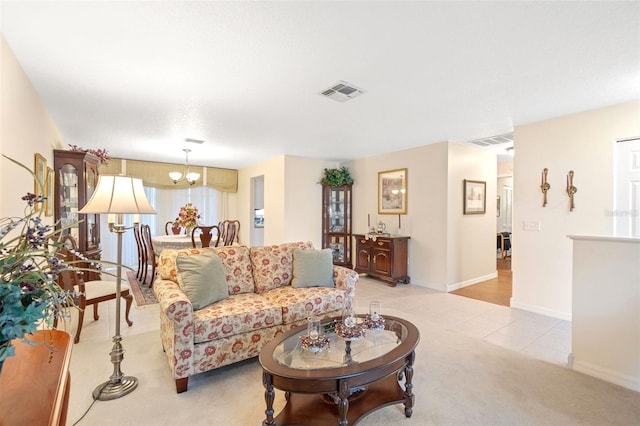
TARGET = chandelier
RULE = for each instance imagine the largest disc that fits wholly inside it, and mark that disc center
(190, 177)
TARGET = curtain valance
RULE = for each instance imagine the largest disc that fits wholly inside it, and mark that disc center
(157, 174)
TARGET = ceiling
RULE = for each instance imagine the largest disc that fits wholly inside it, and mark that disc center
(137, 78)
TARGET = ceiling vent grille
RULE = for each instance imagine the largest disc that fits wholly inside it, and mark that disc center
(190, 140)
(494, 140)
(342, 91)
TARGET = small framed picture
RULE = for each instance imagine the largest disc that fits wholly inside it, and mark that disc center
(475, 197)
(392, 192)
(40, 170)
(498, 206)
(50, 192)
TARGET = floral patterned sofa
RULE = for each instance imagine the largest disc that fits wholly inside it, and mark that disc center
(261, 304)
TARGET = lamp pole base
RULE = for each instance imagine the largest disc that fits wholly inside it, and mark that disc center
(114, 390)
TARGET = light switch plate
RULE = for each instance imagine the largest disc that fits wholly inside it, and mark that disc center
(531, 225)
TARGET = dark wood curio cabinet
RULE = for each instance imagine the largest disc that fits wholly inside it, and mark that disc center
(336, 222)
(76, 177)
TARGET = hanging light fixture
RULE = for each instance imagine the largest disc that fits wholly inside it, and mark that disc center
(190, 177)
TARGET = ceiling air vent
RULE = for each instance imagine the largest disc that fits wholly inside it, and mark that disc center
(342, 91)
(494, 140)
(190, 140)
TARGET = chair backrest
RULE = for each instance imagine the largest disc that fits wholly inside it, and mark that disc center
(230, 232)
(172, 227)
(142, 248)
(146, 238)
(68, 276)
(206, 235)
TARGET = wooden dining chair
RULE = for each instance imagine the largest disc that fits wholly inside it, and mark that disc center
(206, 235)
(86, 293)
(142, 251)
(152, 256)
(171, 226)
(230, 232)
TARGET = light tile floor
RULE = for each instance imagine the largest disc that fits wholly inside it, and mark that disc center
(539, 336)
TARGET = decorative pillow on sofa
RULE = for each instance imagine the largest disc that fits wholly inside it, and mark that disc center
(202, 278)
(312, 268)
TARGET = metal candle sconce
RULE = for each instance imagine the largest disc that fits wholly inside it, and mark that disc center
(544, 186)
(571, 190)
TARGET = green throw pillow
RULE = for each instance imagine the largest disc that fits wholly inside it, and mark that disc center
(202, 278)
(312, 268)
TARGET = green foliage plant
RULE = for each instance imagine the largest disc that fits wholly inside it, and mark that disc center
(336, 177)
(29, 267)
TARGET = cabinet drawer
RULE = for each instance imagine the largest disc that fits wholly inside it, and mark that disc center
(383, 244)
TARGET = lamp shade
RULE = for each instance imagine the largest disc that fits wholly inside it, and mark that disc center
(118, 194)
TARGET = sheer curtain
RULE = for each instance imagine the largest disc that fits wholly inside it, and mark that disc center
(167, 203)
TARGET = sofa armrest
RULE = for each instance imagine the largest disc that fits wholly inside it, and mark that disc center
(346, 279)
(176, 326)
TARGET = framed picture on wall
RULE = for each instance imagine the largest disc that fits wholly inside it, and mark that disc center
(392, 192)
(50, 192)
(475, 197)
(498, 206)
(40, 185)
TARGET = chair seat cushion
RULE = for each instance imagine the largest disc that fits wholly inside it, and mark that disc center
(101, 288)
(234, 315)
(298, 303)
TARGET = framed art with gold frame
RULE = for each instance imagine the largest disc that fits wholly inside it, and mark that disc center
(475, 197)
(50, 192)
(40, 170)
(392, 191)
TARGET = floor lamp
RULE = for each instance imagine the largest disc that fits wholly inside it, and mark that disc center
(116, 195)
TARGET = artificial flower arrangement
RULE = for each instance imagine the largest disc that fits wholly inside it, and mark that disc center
(102, 154)
(29, 267)
(188, 216)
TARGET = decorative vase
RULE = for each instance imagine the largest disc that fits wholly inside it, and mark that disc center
(189, 230)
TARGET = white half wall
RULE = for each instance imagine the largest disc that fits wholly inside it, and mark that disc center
(583, 143)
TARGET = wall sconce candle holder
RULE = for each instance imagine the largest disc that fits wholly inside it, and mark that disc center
(544, 186)
(571, 190)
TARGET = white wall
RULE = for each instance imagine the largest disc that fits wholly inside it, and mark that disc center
(581, 142)
(447, 249)
(292, 199)
(470, 238)
(25, 128)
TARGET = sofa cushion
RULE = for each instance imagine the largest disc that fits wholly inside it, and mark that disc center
(167, 263)
(235, 260)
(237, 266)
(202, 279)
(236, 314)
(299, 303)
(312, 268)
(272, 265)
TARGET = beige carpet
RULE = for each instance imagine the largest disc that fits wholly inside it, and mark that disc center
(458, 380)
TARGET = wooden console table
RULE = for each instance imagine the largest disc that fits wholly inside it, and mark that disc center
(34, 384)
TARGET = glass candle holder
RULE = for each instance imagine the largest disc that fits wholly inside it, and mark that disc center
(374, 310)
(313, 328)
(349, 317)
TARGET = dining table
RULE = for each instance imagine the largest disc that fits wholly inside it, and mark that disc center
(180, 241)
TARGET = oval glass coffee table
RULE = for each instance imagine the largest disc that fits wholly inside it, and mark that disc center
(344, 381)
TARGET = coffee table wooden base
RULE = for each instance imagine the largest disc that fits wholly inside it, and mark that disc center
(314, 409)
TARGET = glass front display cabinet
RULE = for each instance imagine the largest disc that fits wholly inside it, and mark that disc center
(336, 223)
(76, 177)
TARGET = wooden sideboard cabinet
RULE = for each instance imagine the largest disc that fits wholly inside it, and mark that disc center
(384, 257)
(35, 383)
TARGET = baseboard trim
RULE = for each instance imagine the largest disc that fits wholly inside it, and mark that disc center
(607, 375)
(539, 310)
(463, 284)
